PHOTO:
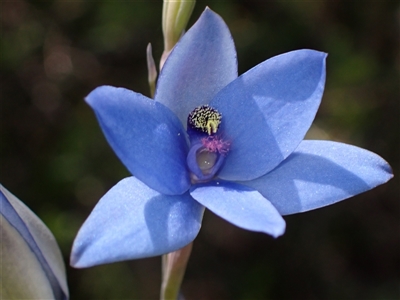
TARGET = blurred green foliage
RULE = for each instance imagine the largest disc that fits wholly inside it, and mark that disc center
(55, 158)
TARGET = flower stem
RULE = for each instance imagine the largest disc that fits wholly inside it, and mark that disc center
(173, 270)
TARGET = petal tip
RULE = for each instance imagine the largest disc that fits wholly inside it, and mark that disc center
(75, 258)
(389, 170)
(279, 231)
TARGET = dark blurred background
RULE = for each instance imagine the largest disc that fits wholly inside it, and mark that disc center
(55, 158)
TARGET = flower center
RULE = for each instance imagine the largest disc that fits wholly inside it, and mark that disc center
(207, 148)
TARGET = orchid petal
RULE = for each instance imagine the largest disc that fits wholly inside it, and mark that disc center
(321, 173)
(240, 205)
(32, 264)
(267, 111)
(145, 135)
(199, 66)
(133, 221)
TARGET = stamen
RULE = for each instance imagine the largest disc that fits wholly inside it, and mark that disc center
(205, 118)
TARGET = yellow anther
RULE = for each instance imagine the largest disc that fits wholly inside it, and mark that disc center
(205, 119)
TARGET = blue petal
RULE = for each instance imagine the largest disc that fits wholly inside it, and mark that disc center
(199, 66)
(38, 238)
(145, 135)
(267, 111)
(133, 221)
(240, 205)
(321, 173)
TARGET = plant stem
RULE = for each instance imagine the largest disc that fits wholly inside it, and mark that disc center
(173, 270)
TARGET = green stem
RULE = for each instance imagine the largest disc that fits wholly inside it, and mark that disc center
(173, 270)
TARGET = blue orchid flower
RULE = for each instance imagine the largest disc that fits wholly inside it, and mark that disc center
(211, 139)
(31, 263)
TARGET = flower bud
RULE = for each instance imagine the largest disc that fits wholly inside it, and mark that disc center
(176, 14)
(32, 266)
(151, 68)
